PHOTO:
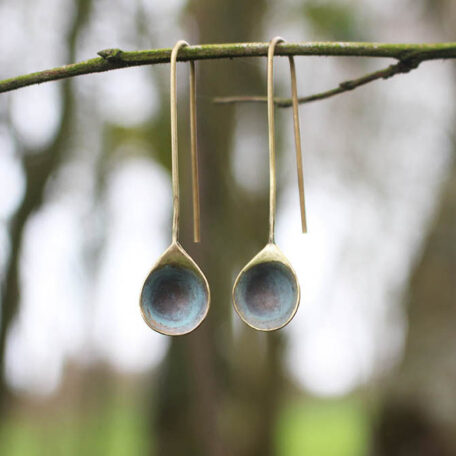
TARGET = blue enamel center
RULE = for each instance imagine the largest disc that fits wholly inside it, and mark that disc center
(266, 295)
(174, 299)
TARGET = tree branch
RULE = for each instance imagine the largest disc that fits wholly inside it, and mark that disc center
(403, 66)
(111, 59)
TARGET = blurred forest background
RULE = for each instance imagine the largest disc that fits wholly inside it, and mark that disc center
(368, 365)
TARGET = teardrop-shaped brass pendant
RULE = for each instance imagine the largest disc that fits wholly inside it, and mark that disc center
(266, 292)
(175, 297)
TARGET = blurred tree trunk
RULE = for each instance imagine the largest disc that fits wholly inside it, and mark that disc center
(418, 416)
(218, 396)
(39, 166)
(419, 412)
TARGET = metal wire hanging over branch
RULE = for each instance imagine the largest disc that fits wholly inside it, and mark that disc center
(409, 56)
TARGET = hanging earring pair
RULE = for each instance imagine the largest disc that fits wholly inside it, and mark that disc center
(175, 297)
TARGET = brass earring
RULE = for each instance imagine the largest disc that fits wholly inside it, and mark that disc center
(266, 292)
(175, 297)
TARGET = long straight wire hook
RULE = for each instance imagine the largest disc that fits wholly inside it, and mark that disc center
(297, 134)
(194, 154)
(271, 134)
(174, 146)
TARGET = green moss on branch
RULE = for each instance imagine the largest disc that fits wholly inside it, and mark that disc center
(111, 59)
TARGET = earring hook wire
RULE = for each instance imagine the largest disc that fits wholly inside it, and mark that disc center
(174, 146)
(297, 135)
(271, 134)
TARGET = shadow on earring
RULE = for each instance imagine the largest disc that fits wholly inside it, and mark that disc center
(175, 297)
(266, 292)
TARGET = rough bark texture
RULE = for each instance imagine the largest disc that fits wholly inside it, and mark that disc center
(419, 408)
(419, 413)
(218, 395)
(112, 59)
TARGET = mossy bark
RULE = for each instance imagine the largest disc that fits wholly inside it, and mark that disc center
(111, 59)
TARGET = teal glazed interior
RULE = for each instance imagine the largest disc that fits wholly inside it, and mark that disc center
(266, 295)
(174, 300)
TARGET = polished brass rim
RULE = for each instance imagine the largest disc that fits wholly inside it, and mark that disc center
(173, 255)
(270, 252)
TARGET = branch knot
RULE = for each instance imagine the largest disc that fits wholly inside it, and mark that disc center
(348, 85)
(404, 66)
(111, 55)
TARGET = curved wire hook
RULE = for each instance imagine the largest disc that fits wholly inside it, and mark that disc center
(174, 146)
(271, 132)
